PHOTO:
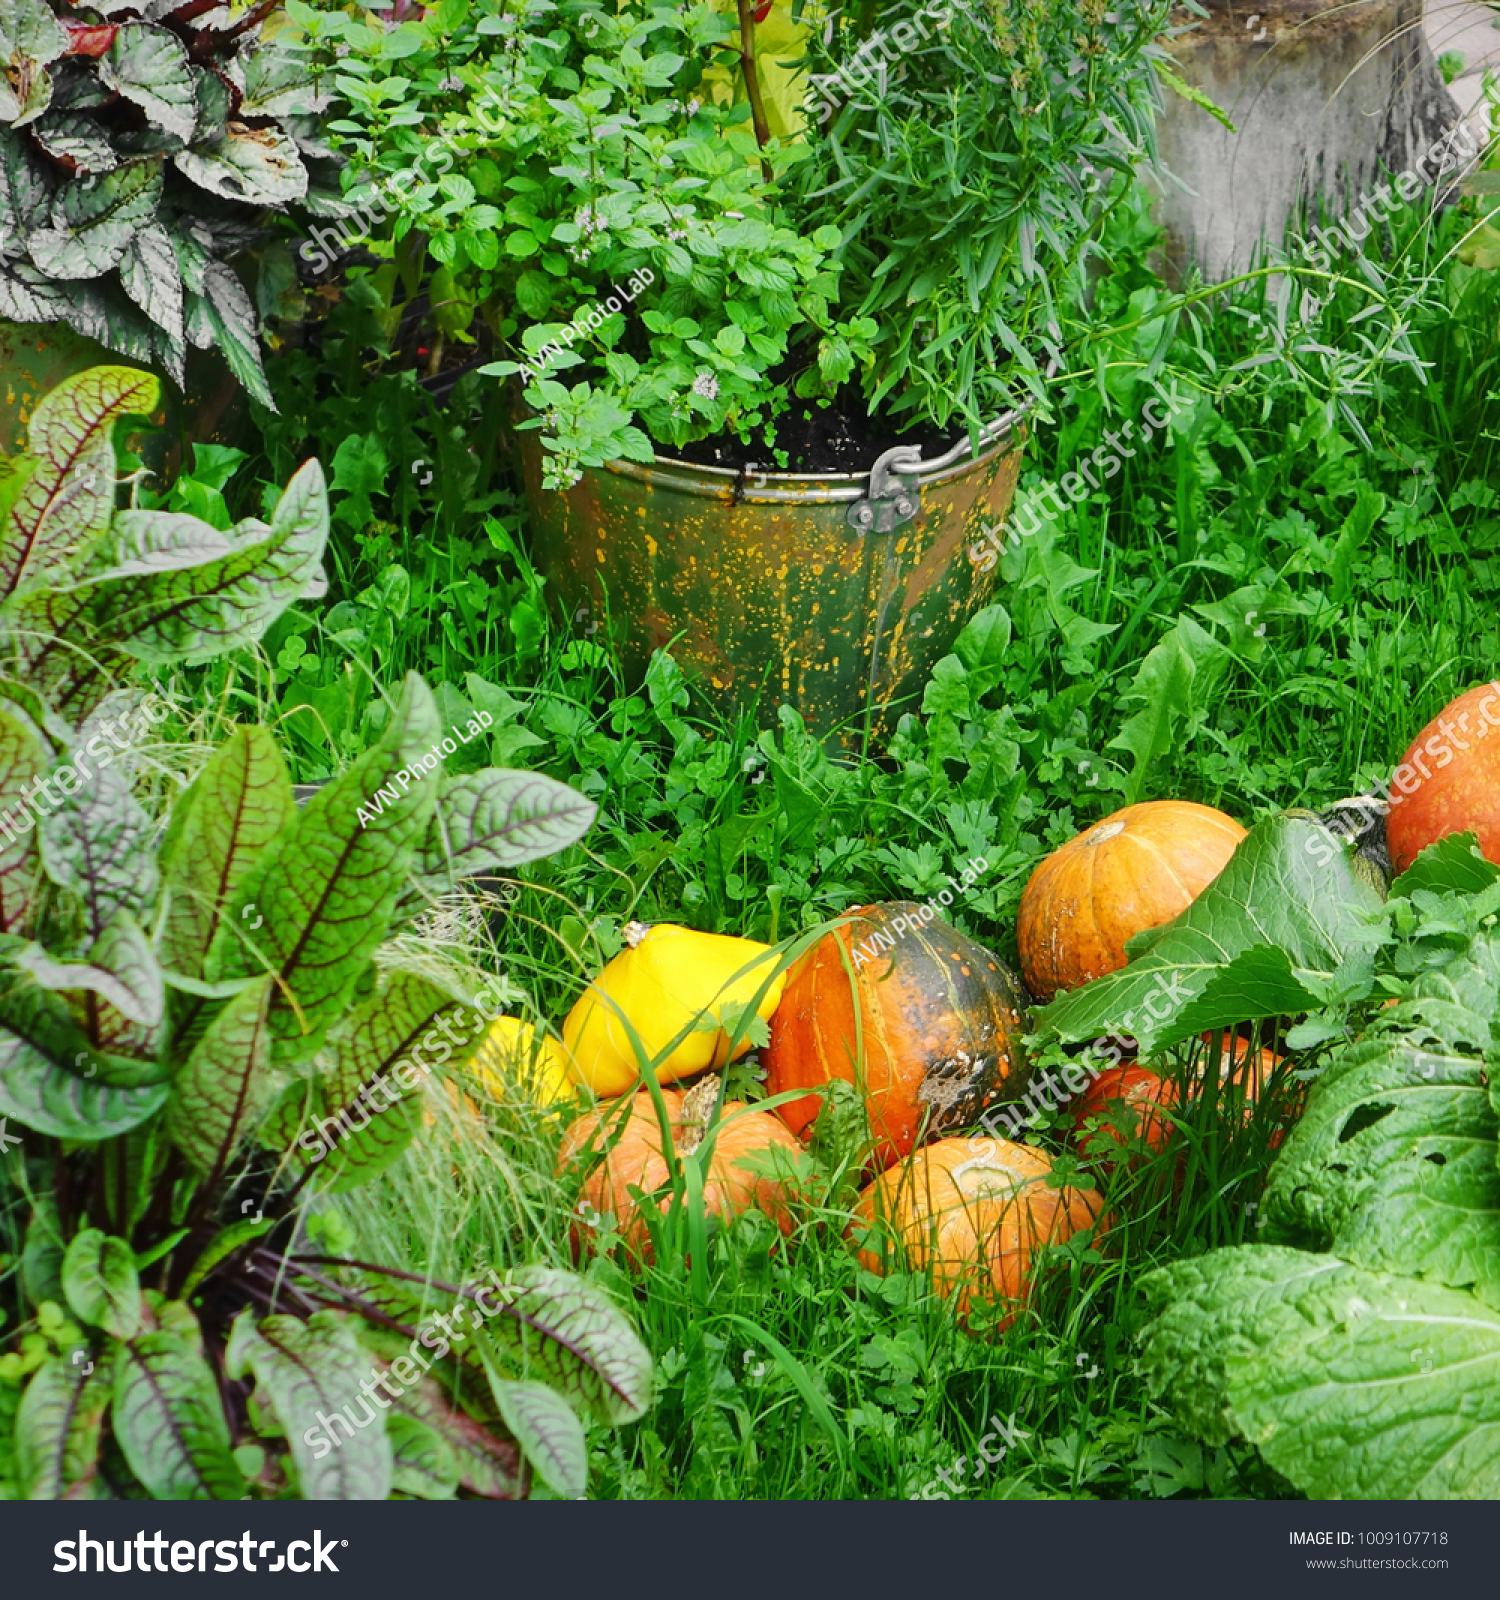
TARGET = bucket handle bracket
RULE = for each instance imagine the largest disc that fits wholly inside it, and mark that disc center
(895, 494)
(893, 498)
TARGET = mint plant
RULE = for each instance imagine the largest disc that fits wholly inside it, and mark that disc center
(918, 241)
(139, 152)
(588, 144)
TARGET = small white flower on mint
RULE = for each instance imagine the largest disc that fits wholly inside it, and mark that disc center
(707, 385)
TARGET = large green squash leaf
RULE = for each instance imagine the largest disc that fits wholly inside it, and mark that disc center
(93, 221)
(169, 1421)
(100, 1282)
(1452, 865)
(237, 807)
(1283, 928)
(70, 495)
(1355, 1385)
(1393, 1165)
(329, 885)
(306, 1371)
(100, 844)
(149, 67)
(223, 1088)
(58, 1427)
(498, 818)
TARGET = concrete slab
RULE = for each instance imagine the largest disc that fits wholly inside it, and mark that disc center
(1469, 28)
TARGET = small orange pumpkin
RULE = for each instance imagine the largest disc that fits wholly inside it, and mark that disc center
(977, 1218)
(633, 1158)
(921, 1019)
(1146, 1094)
(1243, 1070)
(1134, 870)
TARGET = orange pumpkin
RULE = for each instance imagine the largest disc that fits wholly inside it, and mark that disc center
(1449, 780)
(1241, 1063)
(1150, 1097)
(1134, 870)
(926, 1023)
(977, 1218)
(1146, 1094)
(633, 1158)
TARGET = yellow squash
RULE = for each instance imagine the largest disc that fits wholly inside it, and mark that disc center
(665, 980)
(510, 1057)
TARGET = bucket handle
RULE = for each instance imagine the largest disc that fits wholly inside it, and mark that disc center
(894, 497)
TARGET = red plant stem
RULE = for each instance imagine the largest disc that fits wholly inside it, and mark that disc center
(752, 83)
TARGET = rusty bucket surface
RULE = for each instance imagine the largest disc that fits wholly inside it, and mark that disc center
(836, 594)
(35, 357)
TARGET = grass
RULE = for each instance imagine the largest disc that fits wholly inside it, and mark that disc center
(1272, 603)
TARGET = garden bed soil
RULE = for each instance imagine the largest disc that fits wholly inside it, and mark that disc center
(841, 437)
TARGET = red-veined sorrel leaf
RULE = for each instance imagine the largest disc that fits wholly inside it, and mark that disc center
(58, 1425)
(498, 818)
(101, 845)
(120, 968)
(100, 1282)
(486, 1465)
(556, 1326)
(388, 1040)
(169, 1422)
(22, 762)
(303, 1369)
(548, 1430)
(221, 1091)
(421, 1462)
(228, 601)
(36, 1037)
(329, 885)
(237, 807)
(71, 492)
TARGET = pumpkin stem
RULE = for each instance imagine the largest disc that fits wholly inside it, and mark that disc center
(634, 932)
(697, 1107)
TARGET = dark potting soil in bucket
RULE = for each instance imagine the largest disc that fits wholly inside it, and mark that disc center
(833, 591)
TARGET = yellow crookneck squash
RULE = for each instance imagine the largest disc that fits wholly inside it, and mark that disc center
(667, 979)
(511, 1057)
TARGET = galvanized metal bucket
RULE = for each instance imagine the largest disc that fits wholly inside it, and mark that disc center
(836, 594)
